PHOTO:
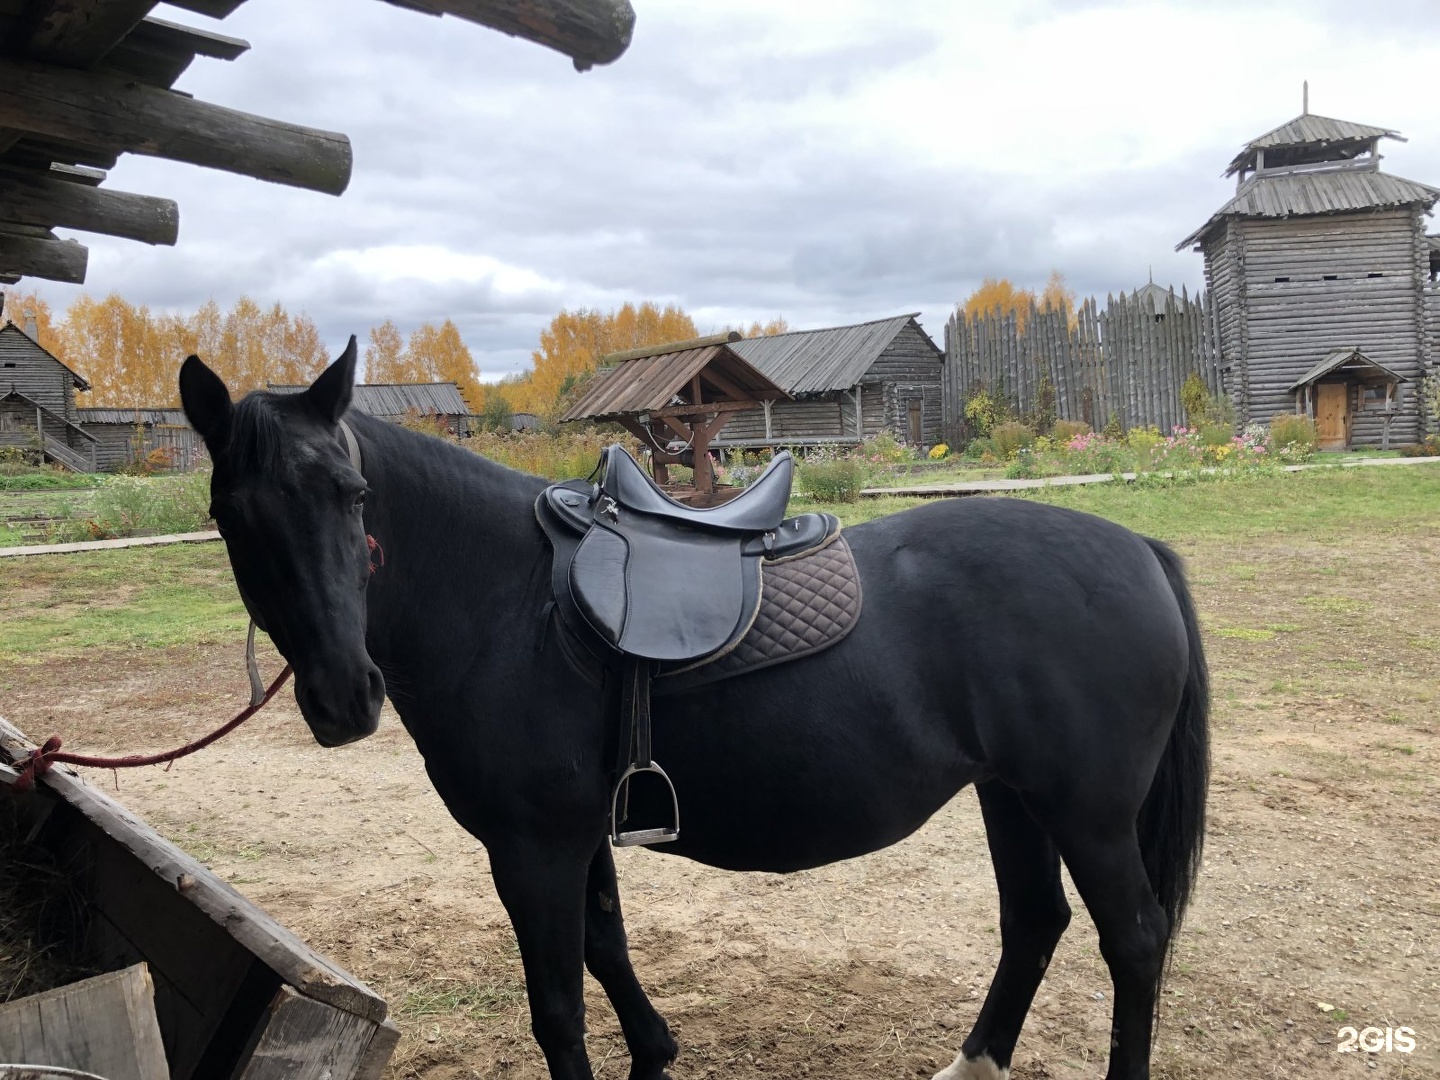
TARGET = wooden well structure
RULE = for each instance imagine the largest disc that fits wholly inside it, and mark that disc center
(684, 392)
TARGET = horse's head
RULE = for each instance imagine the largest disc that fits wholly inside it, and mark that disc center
(289, 505)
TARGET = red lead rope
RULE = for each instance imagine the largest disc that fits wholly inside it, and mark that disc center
(38, 762)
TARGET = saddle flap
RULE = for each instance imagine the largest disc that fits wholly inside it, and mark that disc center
(661, 592)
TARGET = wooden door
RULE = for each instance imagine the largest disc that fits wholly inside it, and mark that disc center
(1332, 415)
(915, 421)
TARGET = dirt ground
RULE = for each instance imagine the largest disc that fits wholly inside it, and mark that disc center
(1318, 907)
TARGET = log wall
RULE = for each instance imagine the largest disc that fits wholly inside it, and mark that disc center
(1120, 361)
(1317, 284)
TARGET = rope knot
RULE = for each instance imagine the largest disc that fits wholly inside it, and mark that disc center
(37, 763)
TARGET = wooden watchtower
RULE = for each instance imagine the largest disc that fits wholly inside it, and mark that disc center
(680, 393)
(1321, 254)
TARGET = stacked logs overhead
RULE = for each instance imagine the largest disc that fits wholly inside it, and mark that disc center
(84, 81)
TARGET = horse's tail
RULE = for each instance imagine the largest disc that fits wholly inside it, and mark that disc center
(1172, 819)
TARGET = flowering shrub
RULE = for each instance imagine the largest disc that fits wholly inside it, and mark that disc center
(939, 451)
(1010, 437)
(1293, 436)
(983, 412)
(831, 478)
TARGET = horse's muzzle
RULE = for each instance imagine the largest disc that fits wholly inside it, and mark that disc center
(341, 707)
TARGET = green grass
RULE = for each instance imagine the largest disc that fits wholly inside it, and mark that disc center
(1319, 506)
(56, 605)
(48, 480)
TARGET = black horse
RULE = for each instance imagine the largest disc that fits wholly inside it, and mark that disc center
(1048, 657)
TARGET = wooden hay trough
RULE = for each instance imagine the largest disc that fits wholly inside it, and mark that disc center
(238, 996)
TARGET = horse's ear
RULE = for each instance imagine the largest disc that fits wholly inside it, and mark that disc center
(207, 402)
(330, 394)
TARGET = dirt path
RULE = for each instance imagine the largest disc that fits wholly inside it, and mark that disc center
(1320, 884)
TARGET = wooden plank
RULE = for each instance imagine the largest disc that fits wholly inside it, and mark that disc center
(43, 257)
(115, 115)
(42, 199)
(302, 1039)
(105, 1025)
(277, 947)
(377, 1054)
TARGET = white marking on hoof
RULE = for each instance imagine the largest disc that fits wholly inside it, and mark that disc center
(982, 1068)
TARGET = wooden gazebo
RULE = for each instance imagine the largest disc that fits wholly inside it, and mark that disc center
(683, 392)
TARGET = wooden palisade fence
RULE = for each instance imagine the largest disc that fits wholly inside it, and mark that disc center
(1127, 361)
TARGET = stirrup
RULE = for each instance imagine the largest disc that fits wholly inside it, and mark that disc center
(642, 837)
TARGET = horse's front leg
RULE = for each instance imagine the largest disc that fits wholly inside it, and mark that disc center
(607, 956)
(544, 893)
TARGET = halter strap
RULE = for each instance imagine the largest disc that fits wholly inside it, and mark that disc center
(252, 666)
(352, 446)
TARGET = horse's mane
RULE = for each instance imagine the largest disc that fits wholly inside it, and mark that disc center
(256, 435)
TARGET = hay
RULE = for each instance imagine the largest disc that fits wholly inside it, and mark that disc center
(43, 916)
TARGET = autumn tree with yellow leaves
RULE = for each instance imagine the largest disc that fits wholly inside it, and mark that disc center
(1001, 296)
(572, 345)
(131, 356)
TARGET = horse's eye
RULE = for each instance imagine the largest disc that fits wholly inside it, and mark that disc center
(359, 499)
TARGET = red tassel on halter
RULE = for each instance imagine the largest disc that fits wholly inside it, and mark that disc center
(377, 553)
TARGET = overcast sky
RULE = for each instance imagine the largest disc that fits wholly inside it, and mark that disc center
(830, 161)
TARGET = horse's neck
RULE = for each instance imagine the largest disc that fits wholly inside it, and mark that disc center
(461, 549)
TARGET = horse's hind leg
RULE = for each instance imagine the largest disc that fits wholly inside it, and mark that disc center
(1033, 915)
(606, 955)
(1105, 862)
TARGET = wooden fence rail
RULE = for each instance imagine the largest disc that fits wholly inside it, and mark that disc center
(1127, 360)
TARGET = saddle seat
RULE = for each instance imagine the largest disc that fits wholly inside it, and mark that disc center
(758, 508)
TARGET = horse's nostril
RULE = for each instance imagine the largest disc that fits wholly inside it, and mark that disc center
(377, 685)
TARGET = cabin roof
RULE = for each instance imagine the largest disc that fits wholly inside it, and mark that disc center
(163, 417)
(646, 383)
(396, 399)
(831, 358)
(1337, 191)
(1352, 358)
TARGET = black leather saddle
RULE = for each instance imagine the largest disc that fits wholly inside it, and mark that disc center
(652, 581)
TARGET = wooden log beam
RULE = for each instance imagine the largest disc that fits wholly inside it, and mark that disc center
(102, 111)
(216, 9)
(77, 33)
(43, 257)
(590, 32)
(34, 199)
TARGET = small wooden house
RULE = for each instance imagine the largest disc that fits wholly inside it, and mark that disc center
(37, 402)
(849, 383)
(123, 436)
(1319, 253)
